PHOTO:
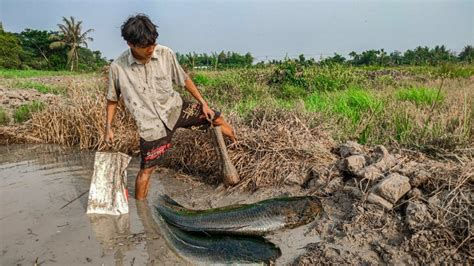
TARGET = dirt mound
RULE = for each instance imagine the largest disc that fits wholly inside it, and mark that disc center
(412, 211)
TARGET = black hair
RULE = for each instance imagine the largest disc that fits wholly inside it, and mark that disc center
(139, 30)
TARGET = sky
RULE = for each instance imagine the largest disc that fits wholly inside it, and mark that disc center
(268, 29)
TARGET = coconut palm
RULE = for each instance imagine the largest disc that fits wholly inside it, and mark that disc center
(70, 36)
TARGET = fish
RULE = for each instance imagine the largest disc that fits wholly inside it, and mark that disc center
(203, 249)
(257, 219)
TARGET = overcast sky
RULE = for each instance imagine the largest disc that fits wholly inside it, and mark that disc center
(266, 28)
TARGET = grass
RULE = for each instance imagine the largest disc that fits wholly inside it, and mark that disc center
(4, 119)
(41, 87)
(343, 100)
(16, 73)
(23, 112)
(419, 95)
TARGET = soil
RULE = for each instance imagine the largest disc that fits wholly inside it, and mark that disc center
(39, 229)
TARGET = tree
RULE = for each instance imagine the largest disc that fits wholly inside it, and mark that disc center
(35, 43)
(467, 54)
(10, 50)
(71, 36)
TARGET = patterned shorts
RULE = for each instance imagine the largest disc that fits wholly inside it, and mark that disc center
(191, 117)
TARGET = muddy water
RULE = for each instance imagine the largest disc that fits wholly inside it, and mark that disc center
(37, 181)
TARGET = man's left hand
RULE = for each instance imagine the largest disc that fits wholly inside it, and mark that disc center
(208, 112)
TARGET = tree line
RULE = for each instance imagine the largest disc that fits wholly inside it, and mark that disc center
(420, 56)
(215, 60)
(64, 49)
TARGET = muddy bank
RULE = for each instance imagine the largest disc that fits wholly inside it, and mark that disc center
(393, 208)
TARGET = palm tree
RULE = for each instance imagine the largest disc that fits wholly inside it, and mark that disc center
(71, 36)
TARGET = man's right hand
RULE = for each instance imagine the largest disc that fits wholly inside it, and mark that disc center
(109, 136)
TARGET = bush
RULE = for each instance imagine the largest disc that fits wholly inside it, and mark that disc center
(288, 91)
(334, 77)
(201, 80)
(289, 72)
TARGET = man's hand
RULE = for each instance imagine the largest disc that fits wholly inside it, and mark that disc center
(109, 135)
(208, 112)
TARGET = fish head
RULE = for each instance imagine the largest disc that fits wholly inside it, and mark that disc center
(305, 210)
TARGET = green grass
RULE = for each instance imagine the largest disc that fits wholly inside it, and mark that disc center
(16, 73)
(23, 112)
(201, 79)
(351, 103)
(315, 102)
(244, 108)
(354, 102)
(419, 95)
(43, 88)
(4, 119)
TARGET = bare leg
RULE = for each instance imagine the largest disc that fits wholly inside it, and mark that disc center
(142, 183)
(225, 128)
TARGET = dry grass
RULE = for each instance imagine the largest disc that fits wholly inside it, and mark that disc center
(268, 152)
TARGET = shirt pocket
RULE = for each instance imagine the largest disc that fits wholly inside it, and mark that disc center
(163, 84)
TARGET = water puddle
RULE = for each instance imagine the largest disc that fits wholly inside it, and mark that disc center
(37, 181)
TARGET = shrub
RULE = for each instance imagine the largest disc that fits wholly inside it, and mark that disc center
(201, 80)
(289, 91)
(334, 77)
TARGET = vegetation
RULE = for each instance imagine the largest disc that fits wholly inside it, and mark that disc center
(215, 61)
(50, 50)
(24, 112)
(39, 86)
(16, 73)
(4, 119)
(419, 95)
(72, 37)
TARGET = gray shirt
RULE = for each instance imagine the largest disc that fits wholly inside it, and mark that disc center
(147, 90)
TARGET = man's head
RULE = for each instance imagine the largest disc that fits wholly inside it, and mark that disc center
(140, 34)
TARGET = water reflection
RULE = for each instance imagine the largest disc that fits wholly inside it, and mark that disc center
(201, 248)
(113, 233)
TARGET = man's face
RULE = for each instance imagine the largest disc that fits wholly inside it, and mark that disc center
(142, 52)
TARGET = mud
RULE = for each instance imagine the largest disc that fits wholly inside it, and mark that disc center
(37, 181)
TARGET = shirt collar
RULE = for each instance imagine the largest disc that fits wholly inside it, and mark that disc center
(132, 60)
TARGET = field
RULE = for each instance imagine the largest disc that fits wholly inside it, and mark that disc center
(292, 122)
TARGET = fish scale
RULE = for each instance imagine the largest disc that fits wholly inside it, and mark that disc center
(247, 219)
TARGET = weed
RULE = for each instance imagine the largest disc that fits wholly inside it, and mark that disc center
(16, 73)
(334, 77)
(419, 95)
(353, 102)
(23, 112)
(4, 118)
(288, 91)
(315, 102)
(201, 80)
(43, 88)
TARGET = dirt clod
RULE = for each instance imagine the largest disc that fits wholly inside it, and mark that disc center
(393, 187)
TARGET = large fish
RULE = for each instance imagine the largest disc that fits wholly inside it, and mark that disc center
(202, 249)
(249, 219)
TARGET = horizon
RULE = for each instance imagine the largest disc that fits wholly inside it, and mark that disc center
(316, 29)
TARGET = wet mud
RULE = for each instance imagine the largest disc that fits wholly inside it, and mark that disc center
(42, 223)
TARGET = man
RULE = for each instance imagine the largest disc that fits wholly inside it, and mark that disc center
(143, 75)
